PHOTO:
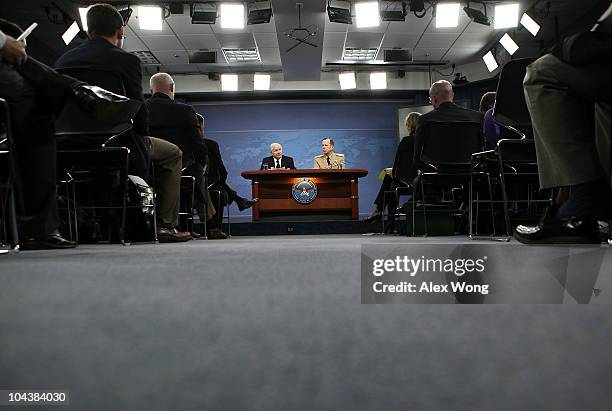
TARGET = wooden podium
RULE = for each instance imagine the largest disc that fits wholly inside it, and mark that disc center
(337, 194)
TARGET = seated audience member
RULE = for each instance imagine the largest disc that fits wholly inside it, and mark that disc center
(277, 159)
(177, 123)
(221, 194)
(441, 96)
(102, 51)
(569, 96)
(35, 94)
(329, 159)
(490, 128)
(400, 173)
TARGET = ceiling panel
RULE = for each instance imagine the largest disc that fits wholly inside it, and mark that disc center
(402, 40)
(182, 25)
(270, 56)
(428, 54)
(266, 39)
(331, 54)
(181, 69)
(437, 40)
(200, 42)
(459, 55)
(133, 43)
(236, 40)
(363, 40)
(162, 43)
(334, 39)
(473, 40)
(412, 25)
(334, 27)
(172, 57)
(133, 23)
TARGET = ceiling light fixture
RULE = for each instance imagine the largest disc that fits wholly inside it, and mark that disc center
(509, 44)
(339, 15)
(229, 82)
(506, 16)
(259, 16)
(83, 15)
(232, 16)
(347, 81)
(447, 15)
(150, 18)
(261, 81)
(530, 24)
(71, 33)
(378, 81)
(367, 14)
(490, 61)
(477, 16)
(203, 13)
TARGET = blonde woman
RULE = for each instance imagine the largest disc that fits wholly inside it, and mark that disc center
(401, 172)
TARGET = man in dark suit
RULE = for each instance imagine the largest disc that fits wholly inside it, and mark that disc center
(441, 96)
(221, 194)
(277, 159)
(102, 51)
(177, 123)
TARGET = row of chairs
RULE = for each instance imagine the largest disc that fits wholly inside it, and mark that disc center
(454, 151)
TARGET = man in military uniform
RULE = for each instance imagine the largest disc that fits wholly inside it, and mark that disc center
(328, 159)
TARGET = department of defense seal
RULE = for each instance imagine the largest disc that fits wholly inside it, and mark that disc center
(304, 191)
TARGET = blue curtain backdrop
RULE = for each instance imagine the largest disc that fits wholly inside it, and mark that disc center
(365, 132)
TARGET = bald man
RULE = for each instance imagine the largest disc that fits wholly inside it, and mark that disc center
(441, 96)
(174, 121)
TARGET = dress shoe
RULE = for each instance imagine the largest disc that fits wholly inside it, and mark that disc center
(216, 234)
(104, 105)
(550, 230)
(48, 242)
(243, 203)
(375, 217)
(172, 235)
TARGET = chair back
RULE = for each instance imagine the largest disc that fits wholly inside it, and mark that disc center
(73, 122)
(517, 151)
(510, 106)
(451, 143)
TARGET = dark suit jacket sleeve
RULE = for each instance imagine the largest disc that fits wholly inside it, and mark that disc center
(132, 81)
(404, 157)
(264, 161)
(217, 154)
(291, 165)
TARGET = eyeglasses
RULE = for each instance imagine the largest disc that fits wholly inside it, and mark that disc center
(429, 99)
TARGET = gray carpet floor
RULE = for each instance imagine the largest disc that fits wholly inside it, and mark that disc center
(275, 323)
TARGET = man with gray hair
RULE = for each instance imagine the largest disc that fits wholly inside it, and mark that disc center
(441, 97)
(277, 159)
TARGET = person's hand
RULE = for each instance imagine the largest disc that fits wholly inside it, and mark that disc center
(14, 51)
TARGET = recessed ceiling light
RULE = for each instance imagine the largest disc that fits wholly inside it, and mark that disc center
(261, 82)
(358, 54)
(506, 16)
(232, 16)
(229, 82)
(83, 15)
(150, 18)
(490, 61)
(378, 81)
(71, 33)
(367, 14)
(347, 81)
(241, 55)
(509, 44)
(447, 15)
(530, 24)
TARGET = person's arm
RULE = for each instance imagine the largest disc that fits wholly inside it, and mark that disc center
(132, 81)
(292, 165)
(315, 164)
(263, 161)
(12, 50)
(200, 152)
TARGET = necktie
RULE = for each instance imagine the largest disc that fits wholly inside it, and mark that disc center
(277, 164)
(328, 162)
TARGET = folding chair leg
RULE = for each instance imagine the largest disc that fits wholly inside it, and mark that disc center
(491, 203)
(423, 205)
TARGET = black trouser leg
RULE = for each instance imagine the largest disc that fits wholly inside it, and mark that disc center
(219, 202)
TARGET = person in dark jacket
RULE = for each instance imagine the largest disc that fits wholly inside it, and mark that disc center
(400, 173)
(102, 52)
(569, 96)
(277, 159)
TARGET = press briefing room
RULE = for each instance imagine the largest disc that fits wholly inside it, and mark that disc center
(305, 205)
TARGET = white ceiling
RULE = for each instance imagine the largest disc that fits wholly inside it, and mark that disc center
(179, 37)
